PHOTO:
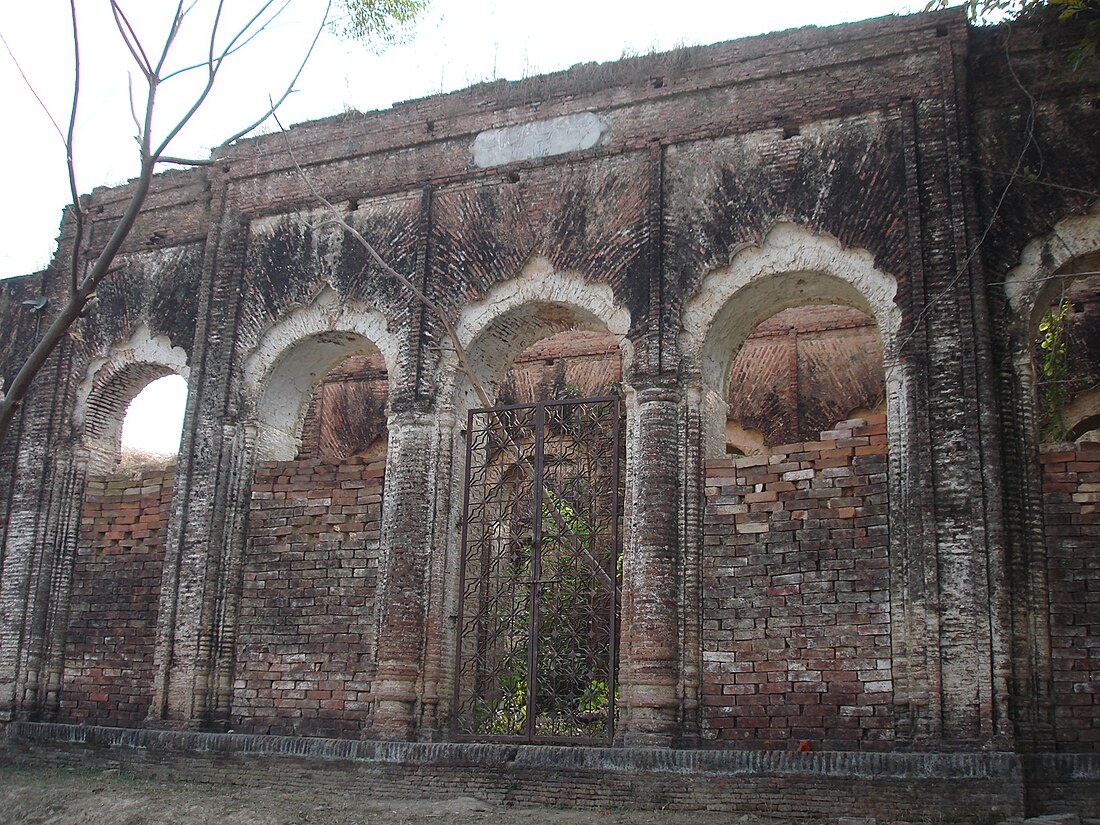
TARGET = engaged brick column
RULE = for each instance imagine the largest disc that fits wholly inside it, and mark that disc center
(649, 655)
(408, 516)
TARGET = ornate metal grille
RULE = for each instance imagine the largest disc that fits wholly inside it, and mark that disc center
(541, 562)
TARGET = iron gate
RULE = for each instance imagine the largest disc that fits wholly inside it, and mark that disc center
(541, 565)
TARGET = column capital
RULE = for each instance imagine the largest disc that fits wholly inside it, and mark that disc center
(656, 388)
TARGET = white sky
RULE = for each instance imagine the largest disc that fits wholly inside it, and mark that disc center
(456, 44)
(459, 42)
(154, 419)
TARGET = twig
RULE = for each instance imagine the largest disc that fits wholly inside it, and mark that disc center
(70, 163)
(30, 87)
(290, 86)
(550, 496)
(963, 267)
(130, 38)
(185, 161)
(1033, 180)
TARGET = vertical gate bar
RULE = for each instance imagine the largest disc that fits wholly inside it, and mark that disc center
(536, 573)
(616, 537)
(456, 707)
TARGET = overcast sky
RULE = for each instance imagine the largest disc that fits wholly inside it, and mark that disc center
(456, 44)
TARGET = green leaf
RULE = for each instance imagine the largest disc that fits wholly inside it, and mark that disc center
(378, 23)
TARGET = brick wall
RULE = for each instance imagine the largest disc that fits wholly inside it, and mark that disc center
(347, 411)
(116, 582)
(307, 621)
(1071, 494)
(796, 610)
(804, 368)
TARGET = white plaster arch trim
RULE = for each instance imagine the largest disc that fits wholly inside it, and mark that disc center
(280, 372)
(792, 267)
(1028, 282)
(101, 404)
(514, 314)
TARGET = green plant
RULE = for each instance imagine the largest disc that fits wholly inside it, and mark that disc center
(994, 11)
(569, 390)
(593, 697)
(1053, 371)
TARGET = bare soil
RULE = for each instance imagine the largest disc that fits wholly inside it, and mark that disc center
(53, 796)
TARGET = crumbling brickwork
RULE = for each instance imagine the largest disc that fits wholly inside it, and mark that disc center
(916, 585)
(1071, 496)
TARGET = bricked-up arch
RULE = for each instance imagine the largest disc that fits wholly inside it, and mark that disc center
(1056, 607)
(796, 613)
(792, 267)
(111, 383)
(111, 584)
(283, 369)
(305, 638)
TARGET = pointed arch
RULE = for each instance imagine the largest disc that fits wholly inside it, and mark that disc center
(1032, 283)
(538, 302)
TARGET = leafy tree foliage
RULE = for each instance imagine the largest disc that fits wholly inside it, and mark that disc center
(992, 10)
(378, 23)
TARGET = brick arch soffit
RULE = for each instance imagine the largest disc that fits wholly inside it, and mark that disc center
(111, 382)
(792, 267)
(293, 354)
(1029, 286)
(514, 314)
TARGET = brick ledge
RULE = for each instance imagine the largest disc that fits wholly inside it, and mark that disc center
(841, 765)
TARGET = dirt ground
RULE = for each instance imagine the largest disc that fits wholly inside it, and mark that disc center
(49, 796)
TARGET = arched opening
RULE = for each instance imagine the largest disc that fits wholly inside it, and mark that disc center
(110, 638)
(541, 530)
(795, 346)
(1065, 335)
(572, 364)
(346, 415)
(310, 563)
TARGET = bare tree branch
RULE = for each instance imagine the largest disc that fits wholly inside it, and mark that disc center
(70, 163)
(229, 51)
(85, 276)
(212, 71)
(185, 161)
(130, 38)
(174, 29)
(1031, 179)
(133, 110)
(31, 89)
(289, 87)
